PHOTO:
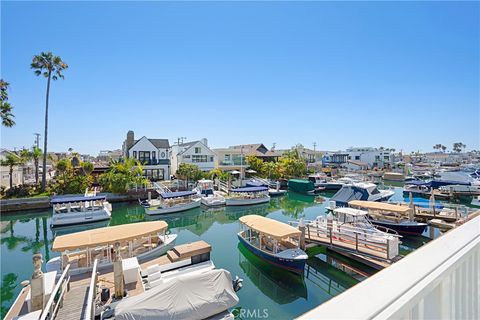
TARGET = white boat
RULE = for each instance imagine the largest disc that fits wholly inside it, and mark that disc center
(143, 240)
(460, 189)
(79, 209)
(170, 202)
(247, 196)
(354, 223)
(335, 184)
(209, 197)
(366, 191)
(374, 194)
(476, 201)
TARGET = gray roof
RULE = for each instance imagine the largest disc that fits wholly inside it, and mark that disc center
(160, 143)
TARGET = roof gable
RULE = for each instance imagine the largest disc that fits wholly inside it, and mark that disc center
(156, 143)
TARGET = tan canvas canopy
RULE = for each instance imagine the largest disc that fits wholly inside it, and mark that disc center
(269, 227)
(372, 205)
(107, 235)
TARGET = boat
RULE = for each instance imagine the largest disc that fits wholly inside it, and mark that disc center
(336, 184)
(209, 197)
(301, 186)
(360, 191)
(392, 216)
(73, 210)
(476, 201)
(143, 240)
(460, 190)
(273, 187)
(170, 202)
(393, 176)
(247, 196)
(273, 241)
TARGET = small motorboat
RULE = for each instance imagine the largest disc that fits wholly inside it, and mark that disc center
(170, 202)
(247, 196)
(209, 197)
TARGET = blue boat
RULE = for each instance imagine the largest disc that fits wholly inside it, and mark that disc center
(404, 227)
(273, 241)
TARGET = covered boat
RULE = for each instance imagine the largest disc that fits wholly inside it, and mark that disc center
(192, 296)
(397, 217)
(170, 202)
(144, 240)
(301, 186)
(276, 242)
(361, 191)
(69, 211)
(209, 197)
(247, 196)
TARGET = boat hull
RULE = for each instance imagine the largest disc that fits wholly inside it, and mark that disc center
(73, 218)
(293, 265)
(245, 201)
(173, 209)
(405, 229)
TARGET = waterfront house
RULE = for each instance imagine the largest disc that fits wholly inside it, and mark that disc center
(152, 153)
(373, 157)
(17, 173)
(233, 158)
(310, 156)
(355, 165)
(194, 152)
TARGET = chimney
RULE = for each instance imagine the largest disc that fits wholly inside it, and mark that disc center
(204, 141)
(129, 142)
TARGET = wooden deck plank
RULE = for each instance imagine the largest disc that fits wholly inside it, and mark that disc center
(74, 303)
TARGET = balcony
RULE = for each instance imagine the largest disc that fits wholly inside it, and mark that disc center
(153, 162)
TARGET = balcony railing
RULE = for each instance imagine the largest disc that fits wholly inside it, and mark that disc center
(152, 162)
(438, 281)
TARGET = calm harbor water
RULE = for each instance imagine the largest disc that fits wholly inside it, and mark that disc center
(266, 289)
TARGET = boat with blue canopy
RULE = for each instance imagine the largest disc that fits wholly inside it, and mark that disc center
(74, 210)
(275, 242)
(247, 196)
(170, 202)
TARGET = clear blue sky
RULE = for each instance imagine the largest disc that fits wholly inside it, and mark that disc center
(402, 75)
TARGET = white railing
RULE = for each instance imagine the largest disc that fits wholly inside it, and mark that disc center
(92, 294)
(57, 295)
(159, 187)
(440, 280)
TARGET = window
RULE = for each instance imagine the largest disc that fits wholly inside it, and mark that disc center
(357, 157)
(199, 158)
(135, 154)
(211, 158)
(144, 156)
(386, 158)
(198, 150)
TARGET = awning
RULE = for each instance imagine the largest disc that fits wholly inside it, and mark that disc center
(56, 200)
(250, 171)
(250, 189)
(379, 206)
(235, 172)
(107, 235)
(178, 194)
(273, 228)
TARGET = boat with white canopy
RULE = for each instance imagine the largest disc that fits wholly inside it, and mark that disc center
(170, 202)
(209, 197)
(143, 240)
(276, 242)
(79, 209)
(247, 196)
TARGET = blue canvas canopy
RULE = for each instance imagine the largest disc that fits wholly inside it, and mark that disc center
(250, 189)
(441, 183)
(349, 193)
(76, 199)
(178, 194)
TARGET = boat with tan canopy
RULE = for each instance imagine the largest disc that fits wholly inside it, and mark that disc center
(273, 241)
(143, 240)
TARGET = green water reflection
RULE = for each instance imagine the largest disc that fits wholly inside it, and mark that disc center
(282, 294)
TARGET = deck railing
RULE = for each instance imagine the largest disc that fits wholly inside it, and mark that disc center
(437, 281)
(92, 294)
(57, 295)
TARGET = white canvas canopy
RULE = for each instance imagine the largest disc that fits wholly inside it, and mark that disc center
(193, 296)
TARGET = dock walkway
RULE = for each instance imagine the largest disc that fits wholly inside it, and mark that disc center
(75, 302)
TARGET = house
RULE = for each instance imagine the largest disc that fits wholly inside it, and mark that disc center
(109, 155)
(152, 153)
(234, 157)
(194, 152)
(17, 173)
(310, 156)
(355, 165)
(375, 158)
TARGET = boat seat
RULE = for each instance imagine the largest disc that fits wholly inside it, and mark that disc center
(288, 244)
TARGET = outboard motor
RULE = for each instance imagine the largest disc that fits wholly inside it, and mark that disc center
(237, 283)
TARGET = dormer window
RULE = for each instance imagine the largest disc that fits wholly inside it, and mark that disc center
(198, 150)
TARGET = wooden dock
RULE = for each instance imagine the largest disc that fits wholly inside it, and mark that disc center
(74, 303)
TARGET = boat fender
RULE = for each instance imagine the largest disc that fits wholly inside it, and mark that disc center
(237, 283)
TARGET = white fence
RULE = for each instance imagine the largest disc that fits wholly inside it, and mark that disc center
(440, 280)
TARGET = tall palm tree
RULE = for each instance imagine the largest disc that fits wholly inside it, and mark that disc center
(5, 107)
(51, 67)
(11, 160)
(36, 154)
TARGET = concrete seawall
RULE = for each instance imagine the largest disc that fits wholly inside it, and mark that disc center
(23, 204)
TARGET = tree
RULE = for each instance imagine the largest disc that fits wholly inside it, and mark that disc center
(11, 160)
(71, 178)
(189, 171)
(5, 107)
(458, 147)
(51, 67)
(270, 169)
(36, 154)
(255, 163)
(121, 175)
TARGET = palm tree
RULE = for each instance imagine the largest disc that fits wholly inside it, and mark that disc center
(11, 160)
(51, 67)
(5, 107)
(36, 154)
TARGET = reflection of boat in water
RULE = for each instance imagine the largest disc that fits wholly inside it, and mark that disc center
(279, 285)
(62, 230)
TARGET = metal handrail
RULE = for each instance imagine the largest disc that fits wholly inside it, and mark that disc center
(92, 294)
(47, 312)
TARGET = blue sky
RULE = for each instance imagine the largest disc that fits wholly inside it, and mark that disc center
(403, 75)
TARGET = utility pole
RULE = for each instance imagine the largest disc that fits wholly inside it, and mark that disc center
(274, 145)
(314, 146)
(314, 152)
(180, 140)
(37, 139)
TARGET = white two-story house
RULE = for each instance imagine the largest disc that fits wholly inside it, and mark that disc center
(152, 153)
(195, 152)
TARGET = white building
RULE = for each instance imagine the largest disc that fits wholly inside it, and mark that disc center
(152, 153)
(373, 157)
(195, 152)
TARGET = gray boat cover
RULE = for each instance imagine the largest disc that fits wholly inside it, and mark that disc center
(191, 296)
